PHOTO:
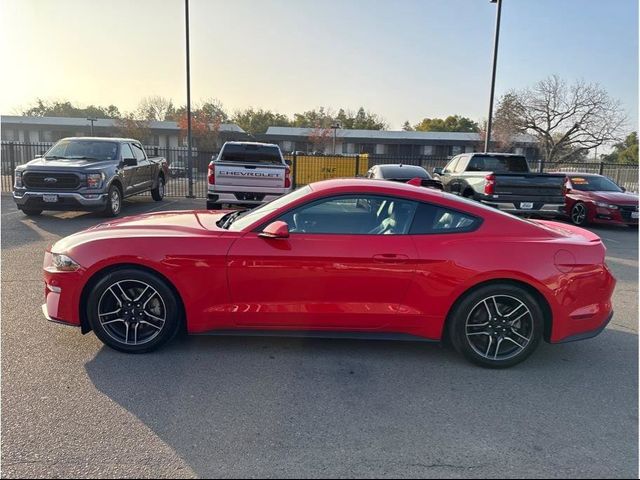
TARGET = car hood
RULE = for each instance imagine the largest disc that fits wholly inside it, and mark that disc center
(42, 164)
(187, 223)
(618, 198)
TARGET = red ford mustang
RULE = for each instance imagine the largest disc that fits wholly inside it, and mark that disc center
(596, 199)
(339, 258)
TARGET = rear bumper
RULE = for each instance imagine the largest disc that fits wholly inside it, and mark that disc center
(242, 198)
(589, 334)
(66, 201)
(547, 209)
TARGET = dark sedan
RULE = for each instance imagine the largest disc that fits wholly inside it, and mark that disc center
(404, 173)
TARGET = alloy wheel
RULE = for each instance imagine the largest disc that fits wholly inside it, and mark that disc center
(132, 312)
(499, 327)
(578, 214)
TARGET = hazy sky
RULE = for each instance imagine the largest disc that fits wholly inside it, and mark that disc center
(403, 59)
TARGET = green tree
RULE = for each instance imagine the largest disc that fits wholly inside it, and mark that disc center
(258, 121)
(625, 152)
(45, 108)
(407, 127)
(453, 123)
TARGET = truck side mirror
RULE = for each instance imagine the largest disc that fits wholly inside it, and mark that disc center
(438, 170)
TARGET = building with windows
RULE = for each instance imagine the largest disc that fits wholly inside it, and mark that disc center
(50, 129)
(389, 143)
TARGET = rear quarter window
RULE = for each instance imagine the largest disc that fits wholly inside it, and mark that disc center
(433, 219)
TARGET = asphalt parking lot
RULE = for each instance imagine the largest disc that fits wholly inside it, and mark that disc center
(265, 407)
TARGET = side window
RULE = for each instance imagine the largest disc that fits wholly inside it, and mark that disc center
(353, 215)
(433, 219)
(460, 166)
(451, 165)
(125, 151)
(138, 152)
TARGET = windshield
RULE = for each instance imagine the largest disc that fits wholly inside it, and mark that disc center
(256, 214)
(251, 153)
(594, 184)
(84, 149)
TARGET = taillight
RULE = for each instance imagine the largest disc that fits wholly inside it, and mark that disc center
(287, 178)
(211, 177)
(489, 184)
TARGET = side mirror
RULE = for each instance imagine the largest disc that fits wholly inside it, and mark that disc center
(438, 171)
(277, 229)
(129, 162)
(623, 189)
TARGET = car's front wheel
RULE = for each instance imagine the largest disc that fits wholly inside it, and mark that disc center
(31, 212)
(579, 214)
(497, 326)
(158, 193)
(114, 202)
(133, 311)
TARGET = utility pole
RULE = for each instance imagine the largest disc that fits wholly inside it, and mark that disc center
(92, 120)
(189, 154)
(335, 128)
(493, 74)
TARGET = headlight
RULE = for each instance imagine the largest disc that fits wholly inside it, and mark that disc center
(62, 263)
(18, 182)
(606, 205)
(94, 180)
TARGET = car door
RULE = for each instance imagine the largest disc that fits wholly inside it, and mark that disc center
(344, 266)
(128, 171)
(445, 176)
(144, 177)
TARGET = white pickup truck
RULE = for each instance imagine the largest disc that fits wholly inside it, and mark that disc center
(247, 173)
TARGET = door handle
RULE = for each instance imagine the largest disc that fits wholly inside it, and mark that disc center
(390, 258)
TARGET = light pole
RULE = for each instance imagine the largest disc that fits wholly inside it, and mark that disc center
(335, 128)
(493, 73)
(189, 157)
(92, 120)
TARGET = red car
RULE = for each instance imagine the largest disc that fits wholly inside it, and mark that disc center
(339, 258)
(596, 199)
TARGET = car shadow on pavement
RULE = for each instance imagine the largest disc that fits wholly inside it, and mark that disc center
(246, 407)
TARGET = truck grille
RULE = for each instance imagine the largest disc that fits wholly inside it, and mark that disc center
(51, 181)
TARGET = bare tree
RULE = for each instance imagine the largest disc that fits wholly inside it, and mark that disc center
(567, 120)
(130, 127)
(321, 138)
(155, 107)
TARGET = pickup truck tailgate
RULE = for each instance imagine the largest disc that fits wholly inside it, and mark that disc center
(529, 184)
(253, 176)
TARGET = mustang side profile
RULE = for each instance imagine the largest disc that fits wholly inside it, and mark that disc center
(339, 258)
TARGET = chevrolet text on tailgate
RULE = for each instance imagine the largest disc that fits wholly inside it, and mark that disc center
(247, 173)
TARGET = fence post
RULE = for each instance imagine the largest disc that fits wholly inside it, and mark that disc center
(357, 165)
(601, 168)
(294, 165)
(155, 151)
(12, 164)
(541, 169)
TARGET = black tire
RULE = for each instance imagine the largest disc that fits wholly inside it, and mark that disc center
(158, 193)
(483, 344)
(113, 207)
(213, 206)
(161, 304)
(31, 212)
(579, 214)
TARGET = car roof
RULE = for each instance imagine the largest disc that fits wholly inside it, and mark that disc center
(374, 185)
(260, 144)
(103, 139)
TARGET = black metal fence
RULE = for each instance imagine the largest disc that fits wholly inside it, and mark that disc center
(185, 182)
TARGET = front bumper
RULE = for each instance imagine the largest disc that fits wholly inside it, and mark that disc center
(66, 200)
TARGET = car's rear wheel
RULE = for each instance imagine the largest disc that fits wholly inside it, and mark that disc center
(579, 214)
(497, 326)
(158, 193)
(31, 212)
(133, 311)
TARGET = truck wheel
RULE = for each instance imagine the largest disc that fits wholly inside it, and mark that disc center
(31, 212)
(213, 206)
(114, 202)
(158, 192)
